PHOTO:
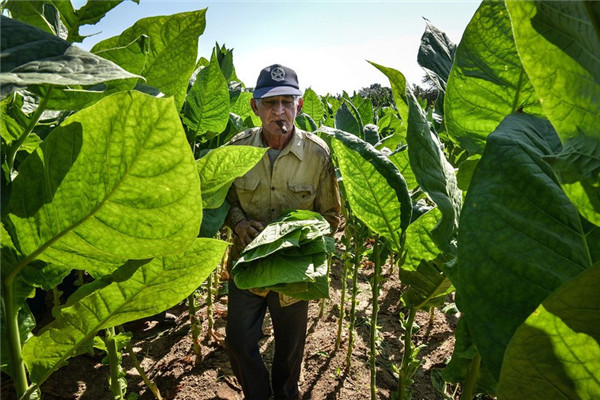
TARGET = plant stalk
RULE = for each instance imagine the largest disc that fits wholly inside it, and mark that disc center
(209, 303)
(114, 363)
(322, 306)
(16, 145)
(195, 325)
(375, 290)
(151, 385)
(338, 339)
(353, 306)
(403, 375)
(469, 385)
(14, 339)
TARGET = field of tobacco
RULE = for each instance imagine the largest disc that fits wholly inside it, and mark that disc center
(467, 264)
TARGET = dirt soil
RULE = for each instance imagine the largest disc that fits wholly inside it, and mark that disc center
(166, 353)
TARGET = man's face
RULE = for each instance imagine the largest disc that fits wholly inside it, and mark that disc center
(277, 108)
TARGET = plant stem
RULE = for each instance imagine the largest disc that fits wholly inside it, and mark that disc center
(404, 373)
(16, 145)
(114, 363)
(338, 338)
(56, 296)
(431, 321)
(375, 290)
(151, 385)
(209, 303)
(322, 307)
(469, 385)
(194, 325)
(14, 339)
(357, 258)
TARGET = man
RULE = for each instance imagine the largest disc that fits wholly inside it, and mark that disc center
(295, 173)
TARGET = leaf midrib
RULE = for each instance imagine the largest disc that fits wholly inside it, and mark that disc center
(34, 255)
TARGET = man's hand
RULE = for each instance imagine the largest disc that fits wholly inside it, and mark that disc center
(247, 230)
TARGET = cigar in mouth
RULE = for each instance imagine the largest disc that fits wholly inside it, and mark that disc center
(282, 127)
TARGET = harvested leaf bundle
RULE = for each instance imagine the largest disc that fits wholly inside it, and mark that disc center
(289, 256)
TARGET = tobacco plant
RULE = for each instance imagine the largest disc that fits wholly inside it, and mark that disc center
(108, 185)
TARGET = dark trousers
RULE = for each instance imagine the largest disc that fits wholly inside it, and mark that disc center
(245, 315)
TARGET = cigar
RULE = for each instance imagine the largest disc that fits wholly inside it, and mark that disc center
(282, 127)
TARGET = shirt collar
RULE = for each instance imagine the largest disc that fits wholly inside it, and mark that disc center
(295, 145)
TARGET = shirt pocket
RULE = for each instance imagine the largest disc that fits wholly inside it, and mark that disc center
(302, 195)
(247, 192)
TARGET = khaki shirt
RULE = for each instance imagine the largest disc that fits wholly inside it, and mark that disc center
(302, 177)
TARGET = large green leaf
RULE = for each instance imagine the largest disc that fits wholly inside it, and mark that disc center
(31, 56)
(153, 287)
(115, 181)
(390, 126)
(364, 106)
(368, 177)
(434, 173)
(558, 43)
(427, 286)
(402, 162)
(172, 45)
(398, 83)
(219, 168)
(346, 121)
(207, 103)
(288, 256)
(419, 243)
(90, 13)
(48, 14)
(313, 106)
(76, 97)
(242, 108)
(436, 55)
(40, 14)
(293, 228)
(487, 81)
(555, 354)
(519, 237)
(280, 268)
(578, 170)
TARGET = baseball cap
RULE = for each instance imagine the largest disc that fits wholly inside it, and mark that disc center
(277, 80)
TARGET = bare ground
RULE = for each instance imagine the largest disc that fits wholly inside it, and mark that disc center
(168, 358)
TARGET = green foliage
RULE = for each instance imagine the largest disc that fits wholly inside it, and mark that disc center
(563, 331)
(519, 238)
(436, 56)
(313, 107)
(219, 168)
(28, 62)
(115, 189)
(289, 256)
(434, 174)
(130, 293)
(206, 110)
(488, 81)
(560, 61)
(380, 96)
(368, 178)
(170, 44)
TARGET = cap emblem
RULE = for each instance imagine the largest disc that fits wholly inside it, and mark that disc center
(277, 74)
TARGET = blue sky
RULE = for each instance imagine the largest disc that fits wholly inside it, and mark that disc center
(326, 42)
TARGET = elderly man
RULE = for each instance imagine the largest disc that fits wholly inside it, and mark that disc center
(295, 173)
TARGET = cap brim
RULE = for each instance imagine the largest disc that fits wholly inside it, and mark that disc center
(276, 91)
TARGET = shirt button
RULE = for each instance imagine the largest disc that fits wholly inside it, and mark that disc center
(272, 187)
(272, 210)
